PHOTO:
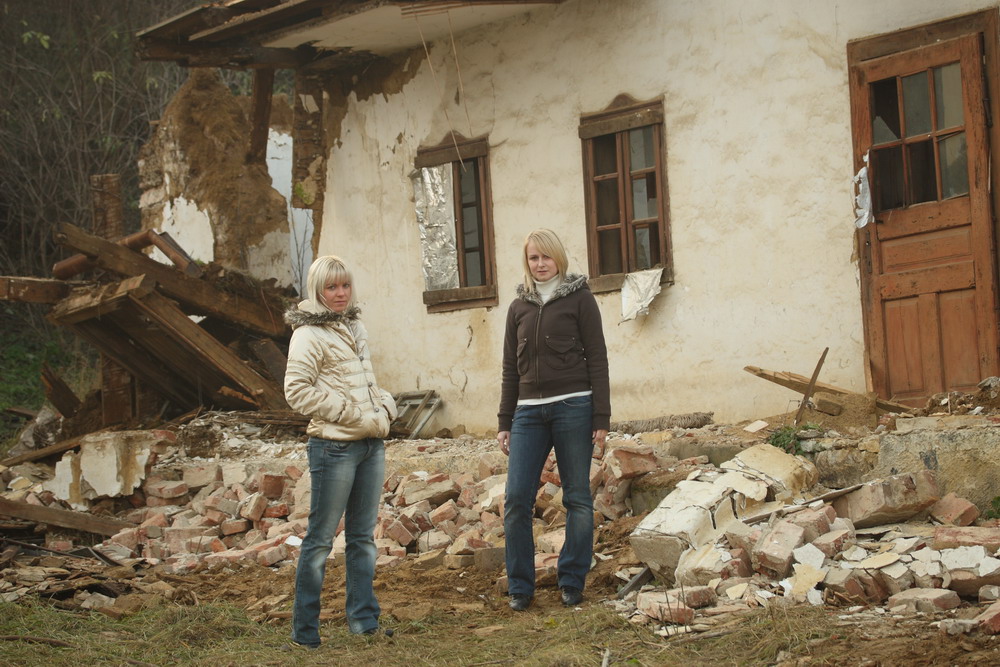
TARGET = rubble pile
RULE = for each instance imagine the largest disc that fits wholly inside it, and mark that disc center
(732, 525)
(755, 529)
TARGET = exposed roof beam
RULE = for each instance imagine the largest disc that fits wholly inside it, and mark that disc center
(190, 55)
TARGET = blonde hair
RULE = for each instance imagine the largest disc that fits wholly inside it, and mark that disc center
(325, 270)
(547, 243)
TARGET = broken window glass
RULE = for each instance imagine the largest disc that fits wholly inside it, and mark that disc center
(954, 166)
(434, 198)
(948, 96)
(885, 112)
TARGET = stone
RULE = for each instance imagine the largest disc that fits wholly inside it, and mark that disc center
(927, 600)
(989, 593)
(895, 498)
(989, 620)
(489, 559)
(833, 542)
(664, 608)
(954, 510)
(774, 551)
(949, 537)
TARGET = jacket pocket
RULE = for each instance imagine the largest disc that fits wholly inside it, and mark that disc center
(523, 363)
(562, 352)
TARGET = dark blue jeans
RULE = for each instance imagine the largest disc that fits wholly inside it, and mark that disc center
(346, 477)
(566, 426)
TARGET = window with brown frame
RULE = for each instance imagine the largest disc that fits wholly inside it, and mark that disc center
(625, 191)
(452, 197)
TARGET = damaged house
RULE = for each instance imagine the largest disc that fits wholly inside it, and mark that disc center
(790, 176)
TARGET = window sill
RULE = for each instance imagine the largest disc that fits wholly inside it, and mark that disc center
(440, 301)
(613, 282)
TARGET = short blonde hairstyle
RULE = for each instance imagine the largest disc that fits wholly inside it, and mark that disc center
(327, 269)
(549, 244)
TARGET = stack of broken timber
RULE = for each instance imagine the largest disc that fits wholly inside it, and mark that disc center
(231, 359)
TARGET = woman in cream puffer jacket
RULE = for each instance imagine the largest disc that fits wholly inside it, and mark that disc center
(329, 378)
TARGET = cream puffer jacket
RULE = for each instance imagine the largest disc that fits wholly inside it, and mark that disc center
(330, 378)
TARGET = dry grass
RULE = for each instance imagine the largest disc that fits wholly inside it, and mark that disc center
(223, 635)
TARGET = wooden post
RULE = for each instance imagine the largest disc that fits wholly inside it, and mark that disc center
(109, 214)
(260, 115)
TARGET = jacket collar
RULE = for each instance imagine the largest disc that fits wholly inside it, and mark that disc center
(309, 312)
(571, 283)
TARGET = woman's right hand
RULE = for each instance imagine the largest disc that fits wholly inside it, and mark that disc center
(503, 437)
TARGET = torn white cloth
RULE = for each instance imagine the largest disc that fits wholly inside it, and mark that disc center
(863, 198)
(638, 292)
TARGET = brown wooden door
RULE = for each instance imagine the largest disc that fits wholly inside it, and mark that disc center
(928, 283)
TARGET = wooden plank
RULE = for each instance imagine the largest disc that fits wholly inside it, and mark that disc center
(43, 453)
(33, 290)
(197, 294)
(63, 518)
(273, 358)
(97, 303)
(947, 278)
(434, 297)
(71, 266)
(811, 387)
(800, 383)
(260, 114)
(58, 392)
(215, 354)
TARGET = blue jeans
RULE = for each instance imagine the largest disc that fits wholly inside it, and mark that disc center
(567, 426)
(346, 476)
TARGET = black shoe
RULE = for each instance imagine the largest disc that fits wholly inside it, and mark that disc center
(519, 601)
(388, 632)
(571, 596)
(295, 646)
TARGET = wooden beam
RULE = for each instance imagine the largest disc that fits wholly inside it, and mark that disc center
(260, 115)
(174, 322)
(274, 359)
(810, 388)
(63, 518)
(94, 304)
(33, 290)
(204, 299)
(58, 392)
(227, 57)
(79, 263)
(43, 453)
(800, 383)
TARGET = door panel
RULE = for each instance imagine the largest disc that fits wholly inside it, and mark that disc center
(929, 285)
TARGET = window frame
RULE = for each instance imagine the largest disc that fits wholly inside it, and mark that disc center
(454, 150)
(622, 115)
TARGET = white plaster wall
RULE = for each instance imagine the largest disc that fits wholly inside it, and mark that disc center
(759, 170)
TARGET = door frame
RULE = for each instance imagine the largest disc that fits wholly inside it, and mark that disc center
(986, 24)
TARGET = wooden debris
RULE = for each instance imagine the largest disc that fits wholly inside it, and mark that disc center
(810, 387)
(58, 392)
(800, 383)
(33, 290)
(44, 452)
(63, 518)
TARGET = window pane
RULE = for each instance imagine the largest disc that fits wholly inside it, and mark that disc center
(469, 176)
(642, 153)
(885, 111)
(608, 211)
(605, 155)
(647, 247)
(954, 166)
(644, 197)
(887, 168)
(470, 227)
(948, 93)
(474, 269)
(610, 248)
(916, 104)
(923, 181)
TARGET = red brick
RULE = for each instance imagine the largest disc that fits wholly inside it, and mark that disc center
(630, 461)
(271, 485)
(814, 522)
(444, 512)
(989, 620)
(954, 510)
(253, 507)
(233, 526)
(272, 555)
(275, 510)
(164, 488)
(293, 472)
(950, 537)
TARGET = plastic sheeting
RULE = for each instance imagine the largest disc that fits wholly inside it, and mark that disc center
(863, 198)
(435, 203)
(638, 291)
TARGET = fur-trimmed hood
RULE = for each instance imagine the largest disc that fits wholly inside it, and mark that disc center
(571, 283)
(309, 312)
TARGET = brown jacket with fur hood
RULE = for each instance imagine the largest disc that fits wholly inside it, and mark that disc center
(555, 348)
(330, 377)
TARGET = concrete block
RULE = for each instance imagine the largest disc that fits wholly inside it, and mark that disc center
(787, 475)
(893, 499)
(927, 600)
(774, 551)
(949, 537)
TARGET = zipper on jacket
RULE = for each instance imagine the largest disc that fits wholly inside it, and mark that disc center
(538, 324)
